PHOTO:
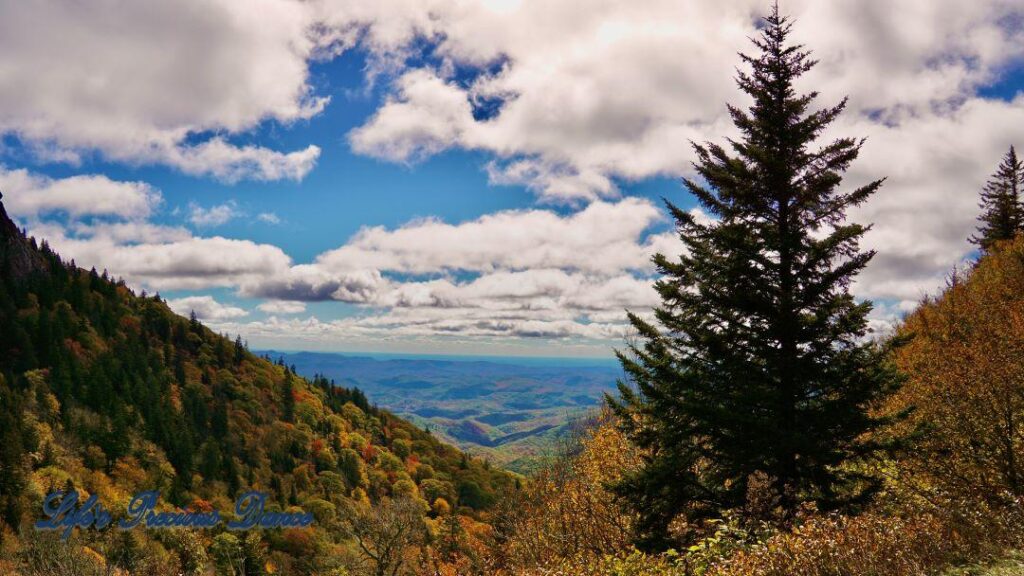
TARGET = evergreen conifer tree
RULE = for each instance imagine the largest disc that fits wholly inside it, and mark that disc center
(1002, 215)
(759, 368)
(288, 399)
(239, 349)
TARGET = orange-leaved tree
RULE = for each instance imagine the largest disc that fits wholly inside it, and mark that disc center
(966, 379)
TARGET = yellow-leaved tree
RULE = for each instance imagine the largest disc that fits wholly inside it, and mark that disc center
(566, 513)
(965, 363)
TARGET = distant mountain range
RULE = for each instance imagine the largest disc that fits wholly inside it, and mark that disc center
(510, 410)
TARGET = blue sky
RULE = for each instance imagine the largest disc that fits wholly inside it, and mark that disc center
(463, 178)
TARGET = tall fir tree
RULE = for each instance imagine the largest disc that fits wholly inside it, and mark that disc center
(1002, 216)
(760, 367)
(288, 398)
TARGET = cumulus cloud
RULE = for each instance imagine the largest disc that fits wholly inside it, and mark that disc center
(571, 98)
(602, 237)
(29, 195)
(927, 208)
(212, 216)
(282, 307)
(159, 82)
(521, 273)
(307, 282)
(231, 163)
(425, 116)
(529, 274)
(524, 274)
(205, 308)
(481, 333)
(130, 232)
(572, 95)
(583, 93)
(268, 218)
(189, 263)
(567, 97)
(148, 255)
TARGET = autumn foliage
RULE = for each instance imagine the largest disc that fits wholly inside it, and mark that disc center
(108, 393)
(966, 385)
(951, 496)
(566, 512)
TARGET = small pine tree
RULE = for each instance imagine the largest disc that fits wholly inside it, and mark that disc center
(1002, 216)
(239, 350)
(288, 399)
(759, 366)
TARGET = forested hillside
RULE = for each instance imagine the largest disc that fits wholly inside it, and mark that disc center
(107, 392)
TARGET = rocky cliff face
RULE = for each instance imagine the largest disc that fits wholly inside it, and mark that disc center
(17, 258)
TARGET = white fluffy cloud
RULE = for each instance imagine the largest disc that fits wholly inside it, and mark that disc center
(148, 255)
(137, 80)
(577, 96)
(306, 282)
(585, 93)
(205, 308)
(189, 263)
(521, 274)
(522, 266)
(28, 195)
(282, 307)
(603, 237)
(530, 274)
(568, 97)
(928, 206)
(212, 216)
(430, 332)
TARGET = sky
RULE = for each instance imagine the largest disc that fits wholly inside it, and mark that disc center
(465, 177)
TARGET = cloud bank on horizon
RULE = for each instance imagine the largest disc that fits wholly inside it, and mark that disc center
(572, 100)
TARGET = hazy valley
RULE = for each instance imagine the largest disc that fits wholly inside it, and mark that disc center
(512, 410)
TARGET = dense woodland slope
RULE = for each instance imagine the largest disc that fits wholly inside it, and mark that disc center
(107, 392)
